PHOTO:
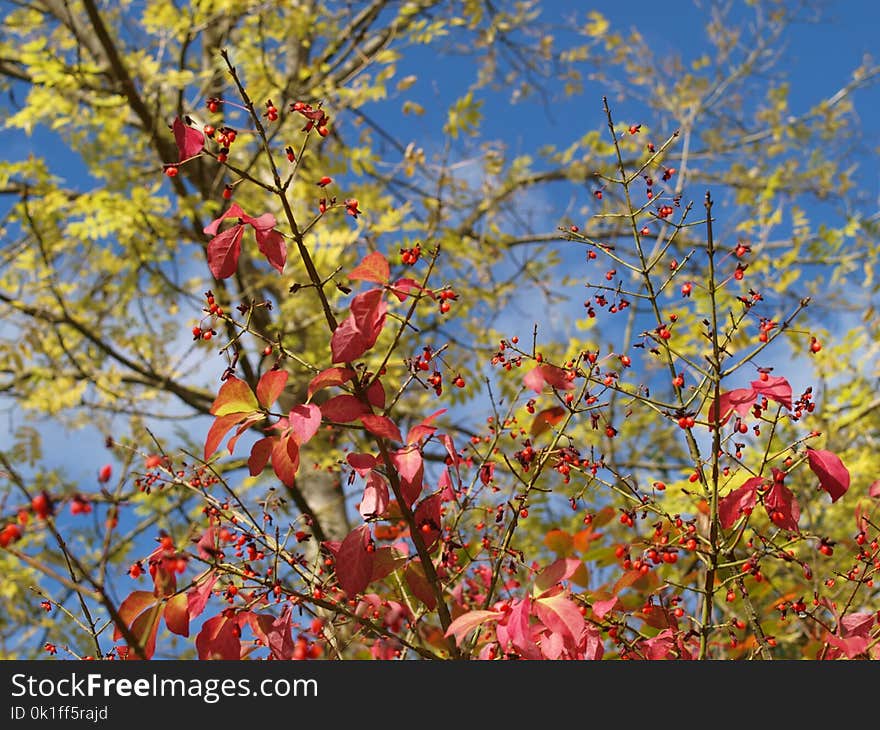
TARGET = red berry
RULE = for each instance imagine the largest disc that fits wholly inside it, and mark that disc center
(171, 171)
(686, 289)
(207, 335)
(523, 513)
(324, 181)
(105, 473)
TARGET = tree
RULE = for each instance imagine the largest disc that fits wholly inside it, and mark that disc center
(99, 279)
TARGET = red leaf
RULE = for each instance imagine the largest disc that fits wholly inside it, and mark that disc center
(259, 457)
(374, 268)
(559, 614)
(555, 573)
(402, 287)
(234, 211)
(780, 502)
(328, 377)
(177, 614)
(407, 461)
(354, 563)
(427, 520)
(245, 425)
(285, 460)
(235, 396)
(856, 624)
(424, 429)
(602, 608)
(198, 596)
(374, 503)
(376, 394)
(144, 629)
(360, 330)
(874, 489)
(739, 401)
(304, 422)
(833, 475)
(550, 375)
(851, 647)
(271, 386)
(343, 409)
(348, 342)
(260, 224)
(218, 430)
(547, 418)
(273, 246)
(223, 252)
(738, 501)
(218, 639)
(469, 621)
(361, 463)
(385, 561)
(133, 606)
(381, 426)
(418, 584)
(777, 389)
(190, 141)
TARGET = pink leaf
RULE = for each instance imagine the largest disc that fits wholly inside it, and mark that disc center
(273, 246)
(261, 224)
(469, 621)
(602, 608)
(361, 463)
(360, 330)
(874, 489)
(427, 519)
(856, 624)
(851, 647)
(777, 389)
(555, 573)
(223, 252)
(374, 503)
(593, 649)
(516, 630)
(407, 461)
(234, 211)
(270, 386)
(259, 457)
(739, 401)
(373, 268)
(782, 507)
(328, 377)
(559, 614)
(402, 287)
(343, 409)
(738, 502)
(207, 545)
(190, 141)
(381, 426)
(354, 563)
(833, 475)
(304, 420)
(549, 375)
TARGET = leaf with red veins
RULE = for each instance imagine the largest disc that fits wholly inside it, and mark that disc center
(414, 575)
(273, 246)
(361, 463)
(550, 375)
(329, 377)
(738, 502)
(270, 386)
(738, 401)
(190, 141)
(777, 389)
(177, 614)
(402, 288)
(260, 453)
(223, 252)
(374, 502)
(219, 639)
(374, 267)
(285, 460)
(427, 520)
(343, 409)
(304, 420)
(833, 476)
(221, 426)
(555, 573)
(782, 507)
(198, 596)
(381, 426)
(235, 396)
(354, 563)
(469, 621)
